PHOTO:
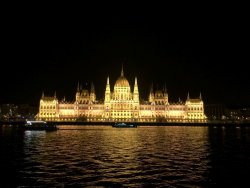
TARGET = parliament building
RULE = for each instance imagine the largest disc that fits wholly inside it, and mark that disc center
(121, 105)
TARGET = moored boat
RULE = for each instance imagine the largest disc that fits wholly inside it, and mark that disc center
(40, 125)
(124, 125)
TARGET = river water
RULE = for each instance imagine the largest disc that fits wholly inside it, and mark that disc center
(148, 156)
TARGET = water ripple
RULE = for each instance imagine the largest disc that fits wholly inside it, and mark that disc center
(101, 156)
(106, 157)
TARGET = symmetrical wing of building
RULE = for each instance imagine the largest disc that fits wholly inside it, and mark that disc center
(121, 104)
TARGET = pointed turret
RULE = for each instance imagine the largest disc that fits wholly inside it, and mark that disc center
(151, 94)
(55, 95)
(165, 95)
(135, 86)
(136, 91)
(107, 85)
(200, 96)
(107, 99)
(188, 96)
(78, 91)
(107, 91)
(92, 92)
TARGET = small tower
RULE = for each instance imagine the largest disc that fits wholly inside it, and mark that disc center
(107, 100)
(151, 97)
(92, 93)
(78, 93)
(165, 95)
(136, 92)
(107, 91)
(136, 100)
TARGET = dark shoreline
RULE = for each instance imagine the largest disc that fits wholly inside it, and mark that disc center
(222, 124)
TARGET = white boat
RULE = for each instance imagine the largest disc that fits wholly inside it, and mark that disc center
(124, 125)
(29, 123)
(39, 125)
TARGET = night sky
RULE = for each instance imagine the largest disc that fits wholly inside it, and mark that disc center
(191, 52)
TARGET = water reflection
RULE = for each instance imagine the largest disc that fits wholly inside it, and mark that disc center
(80, 156)
(104, 156)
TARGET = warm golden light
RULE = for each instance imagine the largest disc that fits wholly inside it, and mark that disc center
(121, 105)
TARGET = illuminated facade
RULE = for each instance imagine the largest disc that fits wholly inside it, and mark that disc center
(121, 105)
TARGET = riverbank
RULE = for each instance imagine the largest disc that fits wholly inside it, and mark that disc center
(211, 123)
(231, 124)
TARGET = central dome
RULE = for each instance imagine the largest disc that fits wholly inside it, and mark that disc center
(122, 81)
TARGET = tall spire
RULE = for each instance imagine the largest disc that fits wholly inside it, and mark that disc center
(135, 86)
(107, 92)
(151, 93)
(92, 92)
(55, 95)
(200, 96)
(108, 80)
(107, 86)
(78, 91)
(42, 94)
(136, 92)
(165, 95)
(122, 74)
(188, 96)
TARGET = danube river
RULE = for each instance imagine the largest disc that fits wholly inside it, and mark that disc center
(148, 156)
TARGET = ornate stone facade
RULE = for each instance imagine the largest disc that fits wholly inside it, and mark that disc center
(121, 105)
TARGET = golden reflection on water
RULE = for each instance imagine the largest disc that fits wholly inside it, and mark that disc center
(102, 156)
(98, 154)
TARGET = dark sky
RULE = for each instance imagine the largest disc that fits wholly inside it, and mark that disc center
(193, 52)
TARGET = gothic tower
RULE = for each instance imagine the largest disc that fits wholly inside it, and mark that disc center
(151, 97)
(92, 93)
